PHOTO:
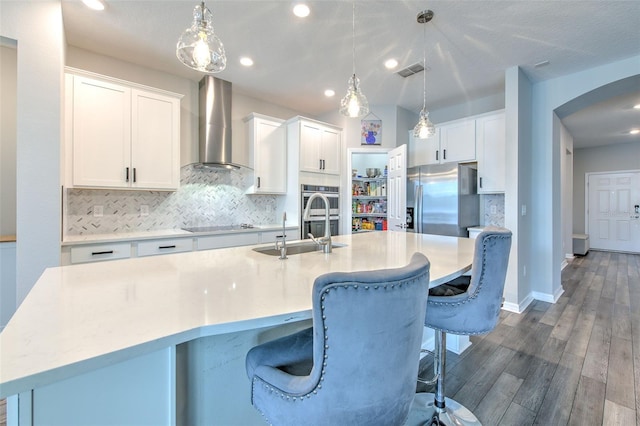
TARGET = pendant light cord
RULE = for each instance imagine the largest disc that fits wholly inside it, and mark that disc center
(424, 64)
(353, 36)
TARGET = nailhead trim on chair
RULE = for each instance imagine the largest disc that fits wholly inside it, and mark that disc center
(474, 295)
(256, 380)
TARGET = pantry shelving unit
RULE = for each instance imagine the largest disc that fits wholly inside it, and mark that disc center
(369, 204)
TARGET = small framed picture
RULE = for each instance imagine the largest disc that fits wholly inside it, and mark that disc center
(371, 132)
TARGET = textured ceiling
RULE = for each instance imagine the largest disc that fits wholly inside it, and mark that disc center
(469, 45)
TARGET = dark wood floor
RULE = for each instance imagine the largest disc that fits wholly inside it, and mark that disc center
(575, 362)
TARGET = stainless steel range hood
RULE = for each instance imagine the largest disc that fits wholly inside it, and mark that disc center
(215, 123)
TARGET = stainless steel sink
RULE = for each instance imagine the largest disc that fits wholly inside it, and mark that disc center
(295, 248)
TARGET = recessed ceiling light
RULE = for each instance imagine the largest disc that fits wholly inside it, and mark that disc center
(636, 106)
(329, 93)
(246, 61)
(301, 10)
(391, 63)
(634, 131)
(94, 4)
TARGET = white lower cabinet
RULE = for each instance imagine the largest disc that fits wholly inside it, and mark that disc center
(270, 236)
(83, 253)
(100, 252)
(221, 241)
(156, 247)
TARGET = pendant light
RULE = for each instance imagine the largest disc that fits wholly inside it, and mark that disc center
(199, 47)
(354, 104)
(425, 128)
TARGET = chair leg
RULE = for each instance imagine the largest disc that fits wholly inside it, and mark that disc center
(435, 407)
(440, 363)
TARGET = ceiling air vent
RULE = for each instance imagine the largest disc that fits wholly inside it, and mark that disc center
(411, 70)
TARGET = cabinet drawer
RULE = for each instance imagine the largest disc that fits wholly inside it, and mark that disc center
(153, 248)
(270, 236)
(98, 253)
(220, 241)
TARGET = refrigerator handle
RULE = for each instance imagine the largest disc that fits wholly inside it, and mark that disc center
(417, 220)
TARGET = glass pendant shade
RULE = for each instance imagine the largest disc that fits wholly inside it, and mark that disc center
(354, 104)
(199, 47)
(425, 128)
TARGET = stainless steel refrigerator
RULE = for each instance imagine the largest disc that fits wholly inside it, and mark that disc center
(442, 199)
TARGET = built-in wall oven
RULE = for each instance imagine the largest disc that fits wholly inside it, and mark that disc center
(316, 222)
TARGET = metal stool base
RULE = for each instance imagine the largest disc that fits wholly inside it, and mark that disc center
(424, 413)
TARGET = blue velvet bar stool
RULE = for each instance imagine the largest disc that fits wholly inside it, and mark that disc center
(465, 306)
(358, 364)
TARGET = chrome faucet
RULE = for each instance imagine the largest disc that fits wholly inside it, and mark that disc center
(324, 242)
(282, 247)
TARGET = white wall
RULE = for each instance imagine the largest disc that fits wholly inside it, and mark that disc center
(8, 80)
(37, 27)
(545, 211)
(608, 158)
(467, 109)
(518, 119)
(566, 179)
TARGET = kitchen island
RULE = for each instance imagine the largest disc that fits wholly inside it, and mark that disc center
(155, 339)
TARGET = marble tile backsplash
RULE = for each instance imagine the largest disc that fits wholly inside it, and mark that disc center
(205, 197)
(492, 209)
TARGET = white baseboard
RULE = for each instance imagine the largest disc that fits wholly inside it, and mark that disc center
(546, 297)
(518, 308)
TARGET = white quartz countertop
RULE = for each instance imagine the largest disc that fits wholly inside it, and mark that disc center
(70, 240)
(82, 317)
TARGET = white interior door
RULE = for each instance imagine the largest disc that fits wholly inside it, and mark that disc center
(612, 211)
(397, 189)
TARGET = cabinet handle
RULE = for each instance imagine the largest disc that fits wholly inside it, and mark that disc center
(258, 181)
(320, 164)
(437, 154)
(134, 175)
(444, 155)
(96, 253)
(167, 247)
(480, 182)
(126, 174)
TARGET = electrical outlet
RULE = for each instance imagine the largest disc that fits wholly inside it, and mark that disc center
(524, 210)
(494, 209)
(98, 211)
(524, 271)
(144, 210)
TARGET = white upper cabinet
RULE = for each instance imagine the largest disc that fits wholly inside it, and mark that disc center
(319, 147)
(121, 135)
(491, 137)
(457, 141)
(423, 151)
(101, 135)
(267, 139)
(453, 142)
